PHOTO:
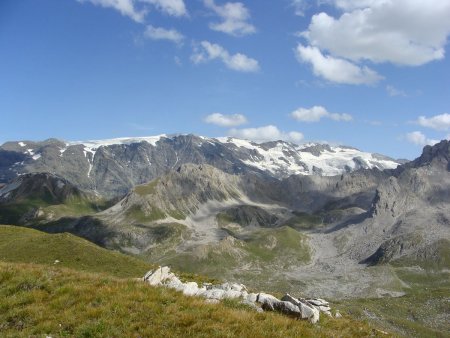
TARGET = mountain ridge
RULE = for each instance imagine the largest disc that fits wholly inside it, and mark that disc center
(112, 167)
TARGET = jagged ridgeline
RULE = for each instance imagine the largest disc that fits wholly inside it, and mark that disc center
(332, 222)
(113, 167)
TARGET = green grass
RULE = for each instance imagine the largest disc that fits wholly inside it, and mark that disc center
(39, 301)
(304, 221)
(223, 219)
(283, 244)
(137, 214)
(12, 213)
(176, 214)
(146, 189)
(436, 257)
(25, 245)
(244, 259)
(423, 312)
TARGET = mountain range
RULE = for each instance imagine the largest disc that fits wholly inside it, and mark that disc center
(112, 167)
(331, 221)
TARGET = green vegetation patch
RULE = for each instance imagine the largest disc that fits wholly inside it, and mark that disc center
(11, 213)
(40, 210)
(284, 244)
(434, 257)
(423, 312)
(304, 221)
(25, 245)
(58, 302)
(146, 189)
(223, 219)
(137, 214)
(177, 214)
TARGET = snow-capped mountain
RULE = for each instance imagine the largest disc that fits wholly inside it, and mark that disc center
(113, 166)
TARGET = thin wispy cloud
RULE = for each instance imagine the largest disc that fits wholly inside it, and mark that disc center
(300, 6)
(175, 8)
(208, 51)
(234, 18)
(222, 120)
(159, 33)
(124, 7)
(393, 92)
(316, 113)
(419, 138)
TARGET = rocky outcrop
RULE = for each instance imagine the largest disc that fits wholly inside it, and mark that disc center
(294, 307)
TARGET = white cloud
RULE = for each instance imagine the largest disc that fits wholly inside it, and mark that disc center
(209, 51)
(226, 120)
(234, 17)
(299, 6)
(420, 139)
(172, 7)
(265, 134)
(438, 122)
(403, 32)
(159, 33)
(125, 7)
(335, 69)
(314, 114)
(392, 91)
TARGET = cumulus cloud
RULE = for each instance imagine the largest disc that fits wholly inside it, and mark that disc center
(209, 51)
(335, 69)
(226, 120)
(438, 122)
(265, 134)
(403, 32)
(234, 17)
(159, 33)
(316, 113)
(171, 7)
(124, 7)
(420, 139)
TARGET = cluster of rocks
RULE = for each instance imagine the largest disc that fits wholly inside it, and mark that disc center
(308, 309)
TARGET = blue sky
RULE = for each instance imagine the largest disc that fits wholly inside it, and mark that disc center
(373, 74)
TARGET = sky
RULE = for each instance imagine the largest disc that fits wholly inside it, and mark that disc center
(373, 74)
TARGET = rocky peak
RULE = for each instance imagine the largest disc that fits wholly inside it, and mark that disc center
(437, 156)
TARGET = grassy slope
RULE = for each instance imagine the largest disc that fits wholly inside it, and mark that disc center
(60, 302)
(423, 312)
(25, 245)
(50, 299)
(244, 259)
(12, 213)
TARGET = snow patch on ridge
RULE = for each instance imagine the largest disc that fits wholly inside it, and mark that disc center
(284, 159)
(95, 144)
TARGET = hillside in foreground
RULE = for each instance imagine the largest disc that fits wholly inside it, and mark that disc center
(51, 299)
(38, 301)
